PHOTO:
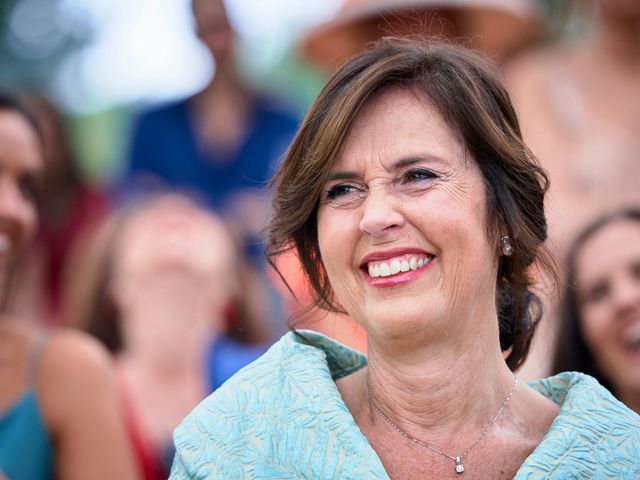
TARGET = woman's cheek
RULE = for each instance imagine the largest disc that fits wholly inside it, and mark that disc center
(595, 324)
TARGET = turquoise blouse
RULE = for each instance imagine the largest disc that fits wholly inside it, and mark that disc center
(283, 417)
(25, 448)
(26, 452)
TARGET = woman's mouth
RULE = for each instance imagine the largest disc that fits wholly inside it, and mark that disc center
(395, 265)
(631, 339)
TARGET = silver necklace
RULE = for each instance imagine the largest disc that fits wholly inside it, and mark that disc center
(457, 458)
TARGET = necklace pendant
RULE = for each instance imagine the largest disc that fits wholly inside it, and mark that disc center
(459, 466)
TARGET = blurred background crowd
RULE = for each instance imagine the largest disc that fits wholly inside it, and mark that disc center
(160, 123)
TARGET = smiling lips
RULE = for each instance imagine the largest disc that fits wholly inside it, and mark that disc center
(396, 265)
(631, 339)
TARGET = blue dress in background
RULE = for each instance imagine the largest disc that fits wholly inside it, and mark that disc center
(164, 146)
(227, 356)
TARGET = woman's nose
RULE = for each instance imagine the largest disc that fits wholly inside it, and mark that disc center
(381, 214)
(627, 296)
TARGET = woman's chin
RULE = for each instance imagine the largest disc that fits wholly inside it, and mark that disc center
(395, 322)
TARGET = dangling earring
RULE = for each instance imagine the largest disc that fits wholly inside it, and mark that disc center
(507, 249)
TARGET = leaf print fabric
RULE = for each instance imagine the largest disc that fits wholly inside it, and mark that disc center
(282, 417)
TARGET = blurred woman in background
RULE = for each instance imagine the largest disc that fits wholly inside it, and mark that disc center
(580, 108)
(58, 407)
(160, 285)
(600, 333)
(69, 209)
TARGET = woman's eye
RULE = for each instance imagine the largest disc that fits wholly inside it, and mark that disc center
(596, 293)
(340, 190)
(344, 194)
(28, 189)
(418, 175)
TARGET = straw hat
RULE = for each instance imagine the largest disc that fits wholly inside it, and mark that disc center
(495, 27)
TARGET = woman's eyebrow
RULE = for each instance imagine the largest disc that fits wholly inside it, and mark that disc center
(397, 165)
(406, 162)
(412, 160)
(342, 175)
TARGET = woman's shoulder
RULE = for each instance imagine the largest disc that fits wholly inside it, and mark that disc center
(72, 369)
(310, 360)
(593, 436)
(577, 393)
(273, 410)
(259, 384)
(70, 352)
(59, 353)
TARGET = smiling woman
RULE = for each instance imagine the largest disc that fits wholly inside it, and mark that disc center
(58, 410)
(414, 207)
(600, 330)
(411, 198)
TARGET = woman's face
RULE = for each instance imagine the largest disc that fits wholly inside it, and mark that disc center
(173, 235)
(173, 254)
(21, 167)
(213, 28)
(608, 296)
(402, 227)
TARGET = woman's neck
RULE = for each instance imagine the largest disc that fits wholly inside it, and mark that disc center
(225, 83)
(189, 371)
(222, 111)
(442, 390)
(180, 330)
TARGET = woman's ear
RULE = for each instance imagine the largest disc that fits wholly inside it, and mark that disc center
(496, 230)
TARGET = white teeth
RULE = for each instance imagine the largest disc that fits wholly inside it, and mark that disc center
(633, 336)
(395, 266)
(5, 243)
(385, 271)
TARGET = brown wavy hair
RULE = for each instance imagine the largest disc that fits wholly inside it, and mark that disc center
(472, 100)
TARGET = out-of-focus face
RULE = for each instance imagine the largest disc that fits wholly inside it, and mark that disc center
(402, 227)
(172, 254)
(21, 168)
(213, 28)
(173, 235)
(608, 295)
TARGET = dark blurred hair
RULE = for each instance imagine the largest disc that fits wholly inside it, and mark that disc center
(467, 92)
(571, 351)
(14, 104)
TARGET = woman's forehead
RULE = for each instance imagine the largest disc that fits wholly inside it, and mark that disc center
(620, 240)
(395, 125)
